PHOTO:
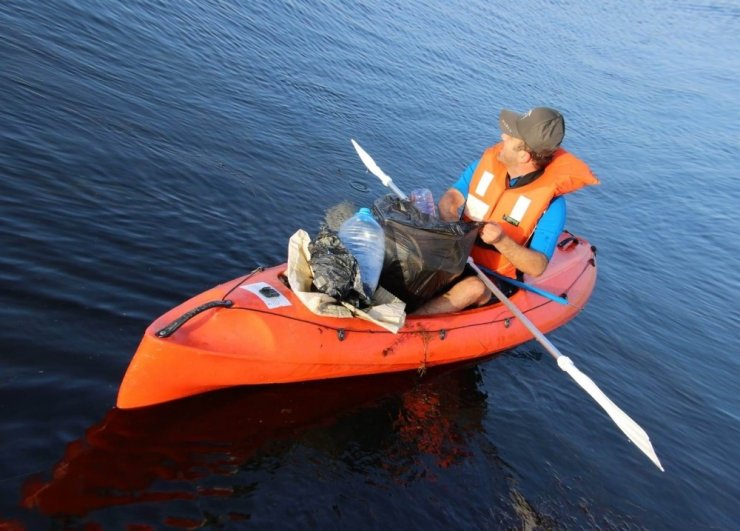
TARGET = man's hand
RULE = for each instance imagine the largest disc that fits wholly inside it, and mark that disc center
(524, 259)
(492, 233)
(449, 205)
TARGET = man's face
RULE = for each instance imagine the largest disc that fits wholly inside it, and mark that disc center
(513, 150)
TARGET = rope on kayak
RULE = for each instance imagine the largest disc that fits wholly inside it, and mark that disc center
(170, 329)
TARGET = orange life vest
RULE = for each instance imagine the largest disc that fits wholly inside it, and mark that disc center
(518, 209)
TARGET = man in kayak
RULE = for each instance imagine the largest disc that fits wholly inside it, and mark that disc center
(516, 188)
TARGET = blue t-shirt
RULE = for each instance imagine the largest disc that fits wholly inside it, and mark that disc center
(548, 228)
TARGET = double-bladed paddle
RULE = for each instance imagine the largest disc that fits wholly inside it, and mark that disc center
(630, 428)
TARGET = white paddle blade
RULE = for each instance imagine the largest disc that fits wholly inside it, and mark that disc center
(630, 428)
(370, 164)
(635, 433)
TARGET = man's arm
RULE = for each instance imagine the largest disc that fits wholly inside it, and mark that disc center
(526, 260)
(532, 260)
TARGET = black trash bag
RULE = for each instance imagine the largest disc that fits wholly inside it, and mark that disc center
(335, 270)
(423, 254)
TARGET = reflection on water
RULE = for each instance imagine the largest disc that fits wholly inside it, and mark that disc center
(221, 452)
(387, 425)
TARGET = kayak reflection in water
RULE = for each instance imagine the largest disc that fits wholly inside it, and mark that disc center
(170, 452)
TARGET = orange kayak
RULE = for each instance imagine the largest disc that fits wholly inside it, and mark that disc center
(253, 330)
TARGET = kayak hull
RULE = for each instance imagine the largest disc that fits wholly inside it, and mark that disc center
(269, 336)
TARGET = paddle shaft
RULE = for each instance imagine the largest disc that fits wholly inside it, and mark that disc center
(493, 288)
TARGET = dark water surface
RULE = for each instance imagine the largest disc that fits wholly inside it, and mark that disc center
(150, 150)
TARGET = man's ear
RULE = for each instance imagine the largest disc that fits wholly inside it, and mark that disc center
(524, 156)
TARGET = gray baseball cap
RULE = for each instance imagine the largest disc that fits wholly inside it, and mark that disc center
(541, 128)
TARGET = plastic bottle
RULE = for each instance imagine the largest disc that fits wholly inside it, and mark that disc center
(365, 239)
(423, 199)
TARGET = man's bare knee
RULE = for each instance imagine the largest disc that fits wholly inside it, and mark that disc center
(473, 292)
(469, 291)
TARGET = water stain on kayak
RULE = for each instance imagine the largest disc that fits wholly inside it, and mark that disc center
(401, 339)
(419, 332)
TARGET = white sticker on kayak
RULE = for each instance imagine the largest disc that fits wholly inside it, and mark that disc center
(267, 294)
